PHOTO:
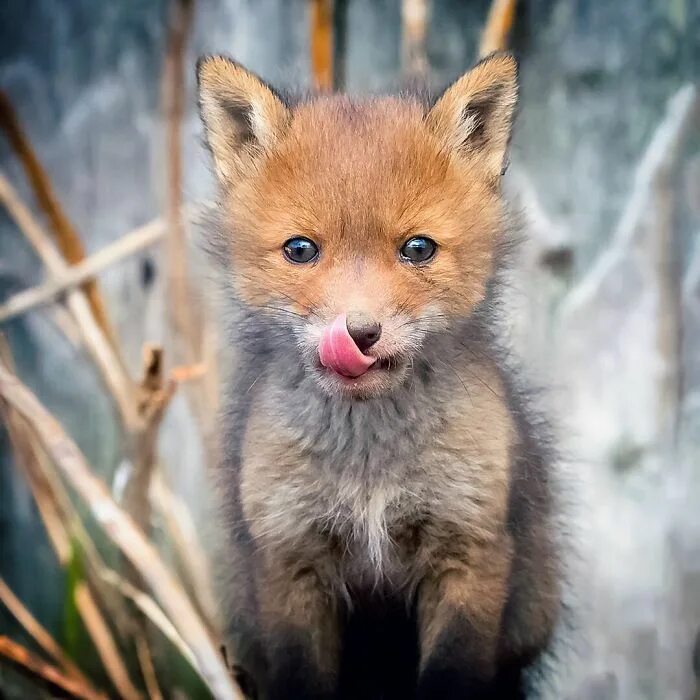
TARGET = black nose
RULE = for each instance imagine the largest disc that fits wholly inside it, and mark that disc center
(363, 331)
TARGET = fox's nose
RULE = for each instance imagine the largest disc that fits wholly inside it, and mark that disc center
(363, 330)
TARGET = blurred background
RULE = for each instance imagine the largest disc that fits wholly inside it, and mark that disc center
(107, 317)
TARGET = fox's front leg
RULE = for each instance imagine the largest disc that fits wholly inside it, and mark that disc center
(300, 631)
(460, 607)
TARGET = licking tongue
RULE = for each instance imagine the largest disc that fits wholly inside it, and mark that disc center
(338, 351)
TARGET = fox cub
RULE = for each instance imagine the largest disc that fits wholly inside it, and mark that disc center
(387, 496)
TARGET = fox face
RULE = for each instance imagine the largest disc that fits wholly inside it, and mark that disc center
(359, 229)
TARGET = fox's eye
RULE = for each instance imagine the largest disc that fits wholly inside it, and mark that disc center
(418, 250)
(300, 250)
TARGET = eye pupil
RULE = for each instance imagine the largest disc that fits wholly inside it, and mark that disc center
(300, 250)
(418, 249)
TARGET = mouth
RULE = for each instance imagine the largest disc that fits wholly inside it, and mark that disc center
(381, 364)
(381, 377)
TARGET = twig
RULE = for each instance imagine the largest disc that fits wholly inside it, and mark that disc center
(104, 642)
(103, 353)
(31, 663)
(414, 21)
(130, 244)
(499, 23)
(322, 44)
(65, 234)
(40, 634)
(121, 530)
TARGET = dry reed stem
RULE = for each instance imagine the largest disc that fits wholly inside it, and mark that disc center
(153, 612)
(66, 236)
(123, 532)
(36, 666)
(148, 670)
(130, 244)
(179, 293)
(154, 395)
(103, 353)
(40, 634)
(322, 44)
(62, 524)
(27, 460)
(414, 31)
(183, 535)
(499, 23)
(105, 646)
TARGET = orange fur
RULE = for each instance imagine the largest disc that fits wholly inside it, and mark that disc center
(359, 178)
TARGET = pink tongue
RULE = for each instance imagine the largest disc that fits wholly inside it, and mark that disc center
(339, 352)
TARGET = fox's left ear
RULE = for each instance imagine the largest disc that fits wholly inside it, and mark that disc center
(243, 117)
(474, 115)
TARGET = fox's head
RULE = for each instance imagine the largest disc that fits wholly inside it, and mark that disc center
(359, 230)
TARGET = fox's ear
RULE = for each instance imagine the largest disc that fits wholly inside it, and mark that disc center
(242, 116)
(474, 115)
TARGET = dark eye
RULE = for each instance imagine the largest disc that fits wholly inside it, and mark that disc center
(418, 250)
(300, 250)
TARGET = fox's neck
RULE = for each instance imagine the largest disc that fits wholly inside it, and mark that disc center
(366, 434)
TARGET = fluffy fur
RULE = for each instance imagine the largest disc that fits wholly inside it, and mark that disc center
(390, 536)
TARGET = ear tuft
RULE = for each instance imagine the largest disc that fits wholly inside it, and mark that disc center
(474, 115)
(242, 115)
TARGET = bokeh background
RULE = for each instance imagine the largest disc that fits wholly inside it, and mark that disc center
(605, 300)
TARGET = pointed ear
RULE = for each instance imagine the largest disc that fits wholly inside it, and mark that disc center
(475, 114)
(242, 115)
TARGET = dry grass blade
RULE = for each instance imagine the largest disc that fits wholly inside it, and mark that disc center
(66, 236)
(414, 30)
(106, 359)
(153, 612)
(147, 668)
(124, 533)
(322, 44)
(130, 244)
(498, 26)
(32, 664)
(104, 642)
(27, 460)
(40, 634)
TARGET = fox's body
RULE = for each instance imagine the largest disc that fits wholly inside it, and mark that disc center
(387, 497)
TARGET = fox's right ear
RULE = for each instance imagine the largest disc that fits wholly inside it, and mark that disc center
(242, 116)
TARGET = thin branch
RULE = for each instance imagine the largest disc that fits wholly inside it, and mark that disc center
(104, 642)
(130, 244)
(121, 530)
(65, 234)
(499, 24)
(29, 662)
(414, 31)
(322, 44)
(40, 634)
(103, 353)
